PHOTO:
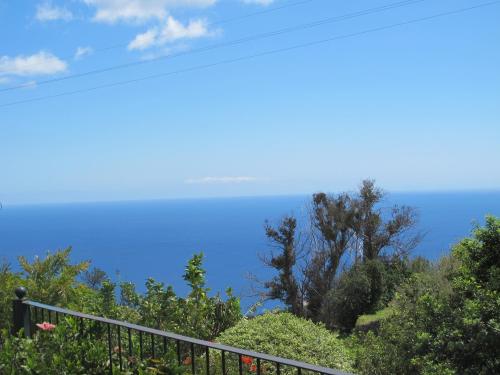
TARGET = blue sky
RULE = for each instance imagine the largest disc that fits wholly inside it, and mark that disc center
(416, 107)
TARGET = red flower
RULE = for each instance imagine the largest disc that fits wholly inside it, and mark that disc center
(253, 368)
(187, 361)
(46, 326)
(246, 359)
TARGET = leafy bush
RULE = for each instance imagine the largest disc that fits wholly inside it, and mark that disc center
(285, 335)
(445, 321)
(198, 315)
(8, 282)
(52, 280)
(363, 289)
(66, 349)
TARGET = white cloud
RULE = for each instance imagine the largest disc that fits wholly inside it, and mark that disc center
(81, 52)
(144, 40)
(4, 80)
(220, 180)
(259, 2)
(111, 11)
(172, 30)
(48, 12)
(41, 63)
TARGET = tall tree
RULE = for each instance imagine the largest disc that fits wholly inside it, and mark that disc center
(344, 224)
(332, 230)
(377, 230)
(284, 286)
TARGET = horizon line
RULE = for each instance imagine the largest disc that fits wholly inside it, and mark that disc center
(4, 204)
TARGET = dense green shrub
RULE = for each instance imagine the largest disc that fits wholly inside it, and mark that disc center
(446, 321)
(348, 299)
(198, 314)
(8, 282)
(65, 349)
(53, 279)
(363, 289)
(285, 335)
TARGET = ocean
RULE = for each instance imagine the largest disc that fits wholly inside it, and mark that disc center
(135, 240)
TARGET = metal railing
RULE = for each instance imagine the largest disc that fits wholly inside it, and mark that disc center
(152, 343)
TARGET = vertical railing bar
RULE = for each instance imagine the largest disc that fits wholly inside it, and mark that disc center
(120, 347)
(50, 316)
(193, 366)
(164, 345)
(299, 371)
(43, 315)
(240, 364)
(258, 366)
(178, 346)
(153, 345)
(141, 354)
(57, 317)
(278, 368)
(207, 359)
(129, 334)
(223, 362)
(35, 313)
(110, 350)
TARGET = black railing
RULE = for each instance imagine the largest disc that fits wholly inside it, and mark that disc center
(153, 343)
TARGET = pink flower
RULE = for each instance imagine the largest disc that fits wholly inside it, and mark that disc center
(46, 326)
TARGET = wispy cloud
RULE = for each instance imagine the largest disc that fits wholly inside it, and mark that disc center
(111, 11)
(221, 180)
(29, 85)
(171, 31)
(259, 2)
(41, 63)
(165, 51)
(81, 52)
(48, 12)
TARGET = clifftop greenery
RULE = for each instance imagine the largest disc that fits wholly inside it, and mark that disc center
(426, 318)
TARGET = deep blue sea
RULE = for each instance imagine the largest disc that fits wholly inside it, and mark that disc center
(136, 240)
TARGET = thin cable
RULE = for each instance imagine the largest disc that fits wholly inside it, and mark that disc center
(227, 20)
(257, 55)
(214, 23)
(211, 47)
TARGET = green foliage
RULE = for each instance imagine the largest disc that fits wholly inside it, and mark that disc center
(68, 350)
(370, 320)
(8, 282)
(363, 289)
(60, 351)
(288, 336)
(197, 315)
(52, 280)
(350, 298)
(446, 320)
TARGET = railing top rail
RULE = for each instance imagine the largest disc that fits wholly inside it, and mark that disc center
(174, 336)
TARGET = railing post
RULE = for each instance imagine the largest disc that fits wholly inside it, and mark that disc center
(21, 317)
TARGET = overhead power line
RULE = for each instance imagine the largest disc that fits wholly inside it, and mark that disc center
(210, 23)
(229, 20)
(243, 40)
(257, 55)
